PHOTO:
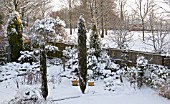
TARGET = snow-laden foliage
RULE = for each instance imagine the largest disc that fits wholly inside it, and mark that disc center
(141, 61)
(157, 76)
(27, 56)
(28, 95)
(12, 16)
(48, 24)
(48, 30)
(50, 48)
(71, 57)
(99, 66)
(141, 68)
(154, 76)
(106, 62)
(102, 66)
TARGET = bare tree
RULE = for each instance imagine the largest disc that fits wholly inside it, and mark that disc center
(158, 39)
(69, 5)
(121, 36)
(143, 8)
(29, 9)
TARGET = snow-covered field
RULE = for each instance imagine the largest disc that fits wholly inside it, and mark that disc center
(136, 43)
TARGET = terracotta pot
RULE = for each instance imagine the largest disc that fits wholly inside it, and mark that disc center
(74, 83)
(90, 83)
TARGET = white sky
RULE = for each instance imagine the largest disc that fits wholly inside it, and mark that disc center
(58, 4)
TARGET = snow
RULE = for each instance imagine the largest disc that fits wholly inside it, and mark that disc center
(123, 93)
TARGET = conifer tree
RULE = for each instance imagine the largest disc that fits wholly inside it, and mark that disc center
(82, 54)
(43, 69)
(14, 32)
(94, 39)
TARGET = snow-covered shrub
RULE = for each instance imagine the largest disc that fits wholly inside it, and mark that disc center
(34, 39)
(141, 61)
(50, 48)
(157, 76)
(101, 64)
(141, 67)
(71, 57)
(106, 62)
(28, 95)
(49, 29)
(27, 56)
(92, 63)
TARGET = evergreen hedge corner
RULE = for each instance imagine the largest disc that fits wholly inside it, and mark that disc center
(14, 34)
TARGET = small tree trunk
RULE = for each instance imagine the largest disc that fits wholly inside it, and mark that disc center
(70, 16)
(102, 20)
(143, 30)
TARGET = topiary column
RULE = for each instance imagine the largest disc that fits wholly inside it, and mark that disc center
(14, 32)
(82, 54)
(43, 69)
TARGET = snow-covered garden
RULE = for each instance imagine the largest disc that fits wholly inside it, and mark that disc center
(85, 73)
(21, 81)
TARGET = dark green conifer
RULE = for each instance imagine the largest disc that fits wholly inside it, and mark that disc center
(14, 32)
(82, 54)
(94, 39)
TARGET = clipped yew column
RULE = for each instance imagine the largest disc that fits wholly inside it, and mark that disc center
(43, 69)
(82, 54)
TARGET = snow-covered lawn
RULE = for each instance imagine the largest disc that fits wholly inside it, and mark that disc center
(65, 93)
